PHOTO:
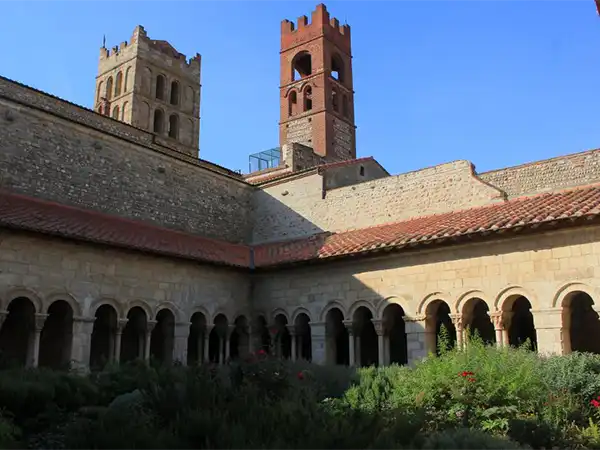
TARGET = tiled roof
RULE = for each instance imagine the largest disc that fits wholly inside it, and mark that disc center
(20, 212)
(518, 214)
(574, 206)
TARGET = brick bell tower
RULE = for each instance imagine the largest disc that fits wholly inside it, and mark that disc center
(316, 93)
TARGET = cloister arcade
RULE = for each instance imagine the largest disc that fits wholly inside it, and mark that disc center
(35, 333)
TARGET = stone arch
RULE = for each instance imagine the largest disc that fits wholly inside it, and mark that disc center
(337, 338)
(161, 87)
(17, 331)
(126, 84)
(563, 293)
(56, 337)
(158, 123)
(438, 314)
(104, 344)
(141, 304)
(299, 311)
(99, 93)
(239, 340)
(217, 347)
(361, 304)
(279, 311)
(173, 130)
(202, 310)
(135, 338)
(96, 304)
(171, 307)
(32, 296)
(508, 294)
(433, 297)
(162, 341)
(301, 66)
(464, 299)
(281, 335)
(75, 306)
(401, 301)
(332, 305)
(198, 338)
(292, 102)
(395, 345)
(119, 83)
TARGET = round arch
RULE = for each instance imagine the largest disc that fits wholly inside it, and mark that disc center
(329, 307)
(18, 292)
(75, 306)
(141, 304)
(433, 297)
(361, 303)
(299, 311)
(96, 304)
(464, 298)
(277, 312)
(569, 288)
(201, 310)
(510, 293)
(171, 307)
(220, 313)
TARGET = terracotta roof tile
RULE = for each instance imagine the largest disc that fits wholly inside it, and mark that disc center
(524, 212)
(17, 211)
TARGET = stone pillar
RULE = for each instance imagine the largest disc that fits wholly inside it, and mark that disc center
(378, 325)
(81, 344)
(506, 321)
(292, 331)
(150, 324)
(206, 353)
(349, 324)
(230, 329)
(33, 350)
(552, 333)
(273, 332)
(496, 318)
(121, 324)
(415, 338)
(318, 337)
(3, 316)
(457, 321)
(180, 342)
(250, 340)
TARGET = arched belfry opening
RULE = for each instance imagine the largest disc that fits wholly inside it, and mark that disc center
(337, 68)
(337, 339)
(301, 65)
(581, 323)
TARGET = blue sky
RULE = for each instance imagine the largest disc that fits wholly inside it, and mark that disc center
(495, 82)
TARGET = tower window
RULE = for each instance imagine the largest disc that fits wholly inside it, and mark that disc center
(337, 68)
(345, 106)
(308, 98)
(109, 88)
(174, 93)
(99, 95)
(362, 171)
(159, 121)
(160, 87)
(292, 101)
(173, 126)
(119, 84)
(127, 79)
(335, 101)
(301, 65)
(115, 113)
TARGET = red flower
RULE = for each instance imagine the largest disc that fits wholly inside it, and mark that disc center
(300, 376)
(471, 380)
(595, 403)
(466, 374)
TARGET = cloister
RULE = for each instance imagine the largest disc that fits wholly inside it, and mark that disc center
(53, 333)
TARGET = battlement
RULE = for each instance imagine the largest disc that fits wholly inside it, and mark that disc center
(320, 23)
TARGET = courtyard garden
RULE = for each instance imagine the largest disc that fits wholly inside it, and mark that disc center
(483, 397)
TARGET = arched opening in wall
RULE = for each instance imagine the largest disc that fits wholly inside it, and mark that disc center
(119, 84)
(127, 79)
(519, 323)
(99, 93)
(307, 98)
(124, 112)
(301, 65)
(283, 339)
(395, 351)
(197, 339)
(102, 346)
(303, 337)
(174, 93)
(262, 332)
(174, 126)
(159, 121)
(336, 335)
(582, 321)
(147, 81)
(133, 340)
(109, 88)
(216, 340)
(100, 110)
(345, 105)
(337, 68)
(57, 336)
(292, 103)
(160, 87)
(239, 340)
(163, 337)
(335, 100)
(445, 331)
(365, 338)
(478, 321)
(115, 113)
(16, 333)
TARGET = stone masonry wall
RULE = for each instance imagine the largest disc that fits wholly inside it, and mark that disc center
(45, 156)
(543, 268)
(547, 175)
(301, 207)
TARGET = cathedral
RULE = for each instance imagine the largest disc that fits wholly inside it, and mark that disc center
(117, 241)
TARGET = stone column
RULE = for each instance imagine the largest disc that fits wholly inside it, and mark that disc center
(496, 318)
(250, 340)
(230, 329)
(34, 341)
(206, 353)
(507, 317)
(552, 333)
(150, 324)
(81, 344)
(318, 336)
(349, 324)
(378, 325)
(121, 324)
(415, 338)
(457, 321)
(180, 344)
(292, 331)
(3, 316)
(274, 342)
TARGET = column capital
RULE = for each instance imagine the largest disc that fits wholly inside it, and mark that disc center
(121, 324)
(378, 325)
(349, 324)
(497, 319)
(457, 320)
(416, 318)
(291, 329)
(208, 328)
(83, 319)
(40, 319)
(150, 324)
